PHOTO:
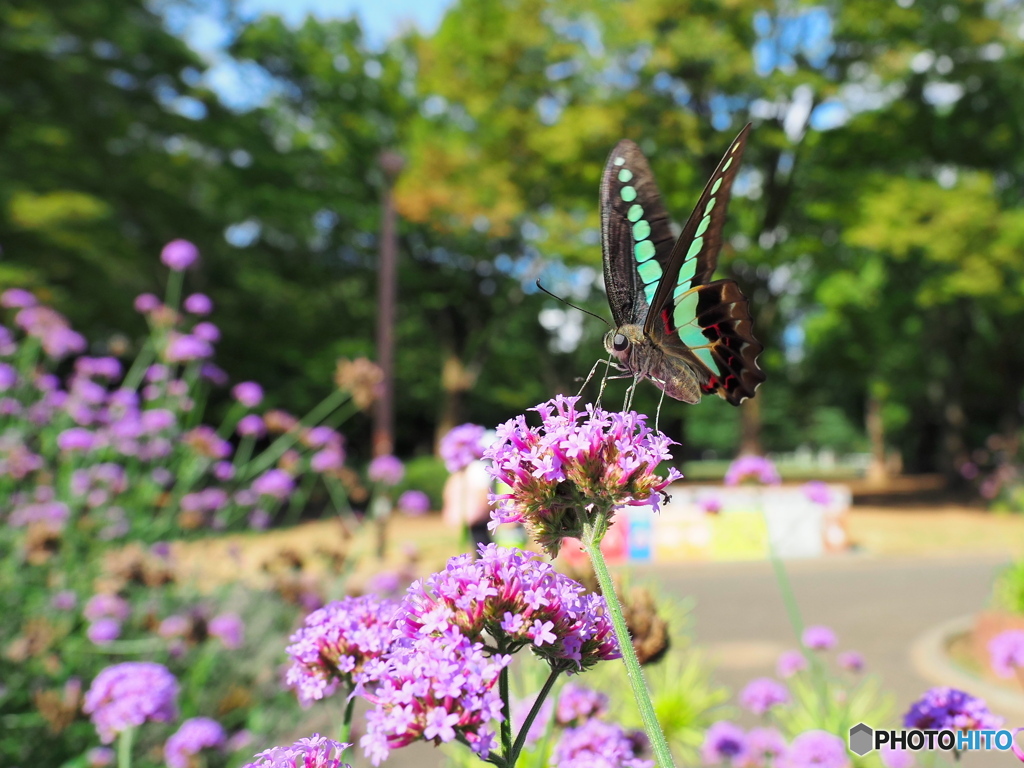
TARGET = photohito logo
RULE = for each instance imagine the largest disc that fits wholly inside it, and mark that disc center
(864, 739)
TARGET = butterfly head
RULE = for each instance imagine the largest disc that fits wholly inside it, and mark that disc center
(619, 342)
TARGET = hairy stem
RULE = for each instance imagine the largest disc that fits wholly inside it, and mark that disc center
(592, 535)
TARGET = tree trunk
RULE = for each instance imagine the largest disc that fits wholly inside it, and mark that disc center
(750, 427)
(878, 470)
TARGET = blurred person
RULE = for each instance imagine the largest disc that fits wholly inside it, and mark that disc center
(466, 503)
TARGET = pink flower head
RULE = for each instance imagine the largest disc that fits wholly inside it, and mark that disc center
(251, 426)
(790, 662)
(103, 631)
(950, 708)
(335, 642)
(146, 303)
(762, 694)
(894, 757)
(435, 688)
(851, 661)
(757, 468)
(103, 604)
(183, 348)
(274, 482)
(819, 638)
(314, 752)
(17, 298)
(511, 594)
(386, 470)
(577, 704)
(248, 393)
(127, 695)
(462, 446)
(818, 492)
(1006, 652)
(228, 628)
(817, 749)
(576, 465)
(100, 757)
(597, 743)
(724, 742)
(765, 747)
(194, 735)
(198, 304)
(414, 503)
(179, 255)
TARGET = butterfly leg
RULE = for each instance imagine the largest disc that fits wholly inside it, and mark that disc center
(657, 414)
(591, 375)
(628, 402)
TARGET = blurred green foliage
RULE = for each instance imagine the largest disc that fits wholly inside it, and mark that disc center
(877, 228)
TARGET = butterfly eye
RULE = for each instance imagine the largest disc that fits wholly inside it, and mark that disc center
(620, 342)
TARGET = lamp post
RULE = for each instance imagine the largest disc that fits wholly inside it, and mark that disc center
(391, 163)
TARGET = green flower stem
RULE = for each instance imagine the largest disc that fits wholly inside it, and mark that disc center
(592, 535)
(138, 369)
(346, 723)
(506, 721)
(277, 448)
(175, 281)
(124, 748)
(534, 711)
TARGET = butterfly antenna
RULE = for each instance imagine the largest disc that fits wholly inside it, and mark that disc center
(569, 303)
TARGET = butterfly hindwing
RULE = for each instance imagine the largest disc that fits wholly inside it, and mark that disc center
(718, 340)
(636, 234)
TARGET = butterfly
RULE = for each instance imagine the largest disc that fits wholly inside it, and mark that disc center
(689, 334)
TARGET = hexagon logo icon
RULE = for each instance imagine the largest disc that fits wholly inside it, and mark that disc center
(861, 739)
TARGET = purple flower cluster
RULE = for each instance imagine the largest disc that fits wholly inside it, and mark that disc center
(575, 466)
(335, 643)
(952, 709)
(790, 663)
(1006, 652)
(127, 695)
(819, 638)
(462, 446)
(194, 735)
(436, 688)
(313, 752)
(762, 694)
(516, 599)
(757, 468)
(386, 470)
(577, 704)
(816, 749)
(597, 744)
(727, 743)
(413, 503)
(818, 492)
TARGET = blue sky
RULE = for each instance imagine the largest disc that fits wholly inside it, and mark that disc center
(381, 19)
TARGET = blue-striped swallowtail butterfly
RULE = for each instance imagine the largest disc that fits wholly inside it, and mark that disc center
(689, 334)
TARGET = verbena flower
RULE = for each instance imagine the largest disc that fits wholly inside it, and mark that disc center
(851, 661)
(577, 704)
(762, 694)
(251, 426)
(413, 503)
(789, 663)
(819, 638)
(103, 604)
(228, 628)
(274, 482)
(198, 304)
(194, 735)
(724, 742)
(462, 446)
(894, 757)
(1006, 652)
(314, 752)
(387, 470)
(17, 298)
(103, 631)
(818, 492)
(248, 393)
(433, 688)
(757, 468)
(334, 644)
(65, 600)
(518, 600)
(816, 749)
(573, 468)
(765, 748)
(100, 757)
(597, 744)
(952, 709)
(179, 255)
(127, 695)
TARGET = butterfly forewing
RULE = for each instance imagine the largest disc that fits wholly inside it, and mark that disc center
(636, 233)
(694, 256)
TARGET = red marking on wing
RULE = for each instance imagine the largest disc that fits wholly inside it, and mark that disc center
(666, 318)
